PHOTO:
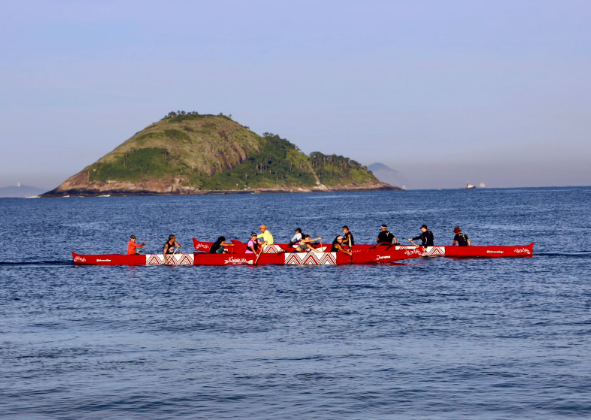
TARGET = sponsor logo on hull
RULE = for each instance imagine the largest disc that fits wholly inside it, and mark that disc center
(79, 259)
(411, 252)
(233, 260)
(522, 251)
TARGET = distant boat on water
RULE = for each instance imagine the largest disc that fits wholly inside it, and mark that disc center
(469, 186)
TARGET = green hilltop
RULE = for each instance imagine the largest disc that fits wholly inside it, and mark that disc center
(190, 153)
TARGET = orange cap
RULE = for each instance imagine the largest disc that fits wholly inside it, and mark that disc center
(263, 226)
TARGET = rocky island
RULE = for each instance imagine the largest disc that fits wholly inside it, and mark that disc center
(189, 153)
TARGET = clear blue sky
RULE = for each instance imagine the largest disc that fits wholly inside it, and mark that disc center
(444, 91)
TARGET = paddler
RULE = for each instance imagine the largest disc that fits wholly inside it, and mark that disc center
(426, 237)
(461, 238)
(348, 236)
(266, 236)
(133, 247)
(338, 245)
(385, 237)
(305, 244)
(253, 244)
(218, 246)
(169, 246)
(296, 238)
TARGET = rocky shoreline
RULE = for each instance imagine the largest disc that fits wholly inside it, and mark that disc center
(139, 192)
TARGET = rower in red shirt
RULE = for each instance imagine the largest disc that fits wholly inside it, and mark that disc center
(132, 247)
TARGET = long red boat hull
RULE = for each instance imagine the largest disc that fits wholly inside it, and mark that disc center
(477, 251)
(282, 258)
(118, 259)
(433, 251)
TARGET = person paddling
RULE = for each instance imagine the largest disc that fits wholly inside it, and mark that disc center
(267, 237)
(426, 237)
(133, 248)
(461, 238)
(169, 247)
(385, 237)
(338, 246)
(253, 244)
(218, 246)
(348, 237)
(296, 238)
(305, 244)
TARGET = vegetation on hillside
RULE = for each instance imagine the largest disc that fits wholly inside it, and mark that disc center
(334, 169)
(279, 163)
(137, 165)
(212, 152)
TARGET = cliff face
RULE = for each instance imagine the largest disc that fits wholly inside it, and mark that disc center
(200, 154)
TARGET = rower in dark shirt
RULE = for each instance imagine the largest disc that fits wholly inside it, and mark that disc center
(337, 246)
(348, 237)
(386, 237)
(218, 246)
(461, 238)
(426, 236)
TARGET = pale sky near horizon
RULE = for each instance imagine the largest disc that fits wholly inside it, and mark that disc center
(446, 92)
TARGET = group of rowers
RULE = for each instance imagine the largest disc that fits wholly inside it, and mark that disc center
(303, 243)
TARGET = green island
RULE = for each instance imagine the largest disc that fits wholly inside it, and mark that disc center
(190, 153)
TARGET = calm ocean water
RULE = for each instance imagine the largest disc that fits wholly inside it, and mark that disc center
(432, 338)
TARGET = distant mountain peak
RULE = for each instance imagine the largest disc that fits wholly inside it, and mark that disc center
(388, 175)
(380, 167)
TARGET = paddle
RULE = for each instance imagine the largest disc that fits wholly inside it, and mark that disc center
(170, 256)
(350, 249)
(259, 256)
(411, 241)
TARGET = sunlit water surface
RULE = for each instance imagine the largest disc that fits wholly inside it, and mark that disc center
(432, 338)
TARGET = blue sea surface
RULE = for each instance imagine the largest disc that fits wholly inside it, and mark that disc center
(425, 339)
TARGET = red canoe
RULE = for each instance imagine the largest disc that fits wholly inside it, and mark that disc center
(477, 251)
(432, 251)
(282, 258)
(118, 259)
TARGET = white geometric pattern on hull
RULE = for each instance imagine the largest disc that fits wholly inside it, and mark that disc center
(176, 259)
(310, 258)
(272, 249)
(435, 251)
